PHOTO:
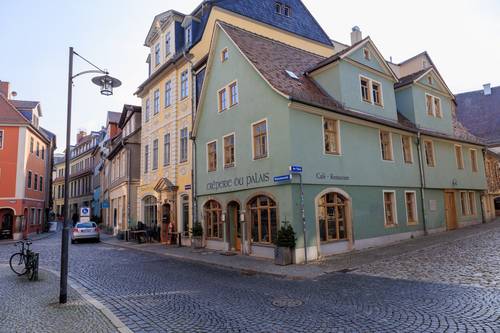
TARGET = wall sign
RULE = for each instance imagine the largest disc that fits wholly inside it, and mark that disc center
(254, 179)
(330, 176)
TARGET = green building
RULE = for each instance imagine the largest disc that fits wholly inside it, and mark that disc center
(383, 157)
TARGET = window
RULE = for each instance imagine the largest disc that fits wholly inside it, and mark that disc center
(166, 149)
(212, 211)
(157, 54)
(224, 55)
(411, 207)
(278, 7)
(156, 102)
(407, 149)
(35, 183)
(331, 136)
(377, 98)
(365, 90)
(40, 217)
(473, 160)
(33, 216)
(390, 208)
(29, 179)
(386, 145)
(472, 203)
(168, 93)
(38, 149)
(43, 152)
(150, 211)
(429, 154)
(233, 93)
(332, 217)
(366, 53)
(464, 203)
(459, 157)
(147, 114)
(229, 151)
(188, 36)
(287, 11)
(146, 158)
(212, 156)
(184, 85)
(1, 139)
(184, 145)
(32, 143)
(41, 184)
(260, 140)
(433, 106)
(263, 219)
(429, 80)
(167, 44)
(155, 154)
(222, 100)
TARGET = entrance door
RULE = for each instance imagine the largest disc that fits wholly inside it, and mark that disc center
(450, 210)
(165, 222)
(233, 210)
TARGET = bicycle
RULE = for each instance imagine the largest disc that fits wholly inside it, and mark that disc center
(25, 262)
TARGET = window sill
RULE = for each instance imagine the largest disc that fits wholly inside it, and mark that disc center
(409, 223)
(263, 244)
(390, 226)
(332, 154)
(260, 158)
(229, 166)
(333, 241)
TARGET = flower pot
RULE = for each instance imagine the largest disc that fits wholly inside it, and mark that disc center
(283, 256)
(197, 242)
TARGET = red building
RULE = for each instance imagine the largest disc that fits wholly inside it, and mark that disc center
(25, 166)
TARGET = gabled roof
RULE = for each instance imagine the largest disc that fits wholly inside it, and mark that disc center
(417, 76)
(127, 109)
(350, 50)
(480, 114)
(9, 113)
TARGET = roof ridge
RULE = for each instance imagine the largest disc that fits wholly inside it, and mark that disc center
(268, 38)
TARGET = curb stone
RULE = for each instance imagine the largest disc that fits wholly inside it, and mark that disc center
(115, 321)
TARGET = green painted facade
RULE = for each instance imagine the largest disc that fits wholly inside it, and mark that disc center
(295, 137)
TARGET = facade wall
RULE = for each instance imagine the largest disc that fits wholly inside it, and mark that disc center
(8, 161)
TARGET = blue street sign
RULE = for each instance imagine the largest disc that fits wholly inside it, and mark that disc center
(283, 178)
(295, 169)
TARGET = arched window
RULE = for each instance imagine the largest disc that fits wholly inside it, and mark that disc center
(263, 219)
(332, 217)
(150, 211)
(213, 219)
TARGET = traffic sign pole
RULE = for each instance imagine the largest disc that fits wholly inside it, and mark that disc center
(295, 169)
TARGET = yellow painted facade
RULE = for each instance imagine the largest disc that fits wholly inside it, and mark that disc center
(171, 201)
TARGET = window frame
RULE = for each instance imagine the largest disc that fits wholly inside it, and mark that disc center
(186, 159)
(157, 53)
(338, 151)
(366, 54)
(168, 40)
(147, 114)
(368, 89)
(459, 160)
(208, 211)
(391, 159)
(464, 203)
(30, 176)
(394, 208)
(166, 151)
(473, 160)
(414, 220)
(156, 102)
(224, 55)
(154, 164)
(184, 85)
(434, 162)
(410, 145)
(209, 169)
(146, 158)
(271, 205)
(2, 136)
(230, 95)
(233, 164)
(471, 197)
(433, 112)
(168, 94)
(221, 107)
(252, 125)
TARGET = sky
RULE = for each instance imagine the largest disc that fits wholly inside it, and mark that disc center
(461, 36)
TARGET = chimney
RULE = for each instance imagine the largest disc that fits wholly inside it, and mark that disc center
(356, 35)
(80, 135)
(5, 89)
(487, 89)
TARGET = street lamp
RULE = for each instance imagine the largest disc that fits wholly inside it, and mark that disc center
(107, 83)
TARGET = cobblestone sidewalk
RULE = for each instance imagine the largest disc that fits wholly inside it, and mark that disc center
(33, 307)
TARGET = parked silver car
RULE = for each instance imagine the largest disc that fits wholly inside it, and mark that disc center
(85, 230)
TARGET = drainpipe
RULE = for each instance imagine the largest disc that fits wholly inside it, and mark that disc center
(194, 206)
(422, 180)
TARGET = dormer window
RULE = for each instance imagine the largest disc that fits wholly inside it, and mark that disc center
(278, 7)
(157, 54)
(188, 35)
(282, 9)
(366, 53)
(287, 11)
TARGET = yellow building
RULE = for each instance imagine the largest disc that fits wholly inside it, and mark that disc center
(179, 46)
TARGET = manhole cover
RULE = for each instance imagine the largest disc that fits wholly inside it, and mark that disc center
(287, 302)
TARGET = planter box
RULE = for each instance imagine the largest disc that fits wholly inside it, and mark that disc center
(197, 242)
(283, 256)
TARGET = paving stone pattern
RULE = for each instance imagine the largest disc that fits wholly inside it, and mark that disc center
(33, 307)
(153, 293)
(474, 261)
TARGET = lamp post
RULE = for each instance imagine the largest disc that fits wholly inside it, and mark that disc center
(107, 83)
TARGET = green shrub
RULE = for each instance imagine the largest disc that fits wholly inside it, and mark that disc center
(286, 237)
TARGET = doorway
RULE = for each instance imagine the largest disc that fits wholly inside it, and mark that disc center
(450, 210)
(165, 222)
(233, 212)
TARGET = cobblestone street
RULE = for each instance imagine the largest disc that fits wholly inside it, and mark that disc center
(153, 293)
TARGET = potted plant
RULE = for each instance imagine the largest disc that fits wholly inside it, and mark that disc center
(285, 243)
(197, 236)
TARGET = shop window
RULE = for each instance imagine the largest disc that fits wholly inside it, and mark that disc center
(263, 219)
(212, 211)
(332, 217)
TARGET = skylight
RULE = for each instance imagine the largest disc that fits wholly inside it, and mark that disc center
(292, 74)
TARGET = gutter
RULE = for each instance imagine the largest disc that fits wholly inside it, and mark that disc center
(422, 181)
